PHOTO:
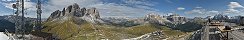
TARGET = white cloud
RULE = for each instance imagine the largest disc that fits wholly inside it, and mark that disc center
(212, 12)
(139, 2)
(199, 11)
(234, 8)
(168, 1)
(196, 11)
(198, 7)
(142, 4)
(235, 5)
(229, 11)
(180, 8)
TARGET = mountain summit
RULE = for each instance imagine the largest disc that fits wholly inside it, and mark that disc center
(75, 12)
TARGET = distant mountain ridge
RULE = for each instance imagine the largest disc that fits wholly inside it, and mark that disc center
(220, 17)
(8, 22)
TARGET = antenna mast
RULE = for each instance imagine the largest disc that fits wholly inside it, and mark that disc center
(19, 24)
(38, 20)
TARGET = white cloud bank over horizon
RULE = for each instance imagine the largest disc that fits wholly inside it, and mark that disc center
(234, 9)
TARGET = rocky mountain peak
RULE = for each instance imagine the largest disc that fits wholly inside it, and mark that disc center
(54, 15)
(154, 18)
(74, 10)
(220, 17)
(94, 13)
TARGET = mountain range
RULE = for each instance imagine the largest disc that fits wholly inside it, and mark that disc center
(74, 23)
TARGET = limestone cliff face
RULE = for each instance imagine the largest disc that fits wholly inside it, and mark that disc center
(154, 18)
(74, 11)
(54, 15)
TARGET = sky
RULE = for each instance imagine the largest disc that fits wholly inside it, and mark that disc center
(135, 8)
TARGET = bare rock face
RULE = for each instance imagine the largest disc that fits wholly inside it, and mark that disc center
(76, 12)
(54, 15)
(154, 18)
(93, 13)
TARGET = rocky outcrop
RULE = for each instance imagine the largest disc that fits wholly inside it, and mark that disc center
(74, 11)
(152, 16)
(155, 18)
(54, 15)
(175, 19)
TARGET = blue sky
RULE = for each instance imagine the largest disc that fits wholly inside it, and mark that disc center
(137, 8)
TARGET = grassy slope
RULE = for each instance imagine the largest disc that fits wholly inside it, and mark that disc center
(70, 31)
(142, 29)
(63, 30)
